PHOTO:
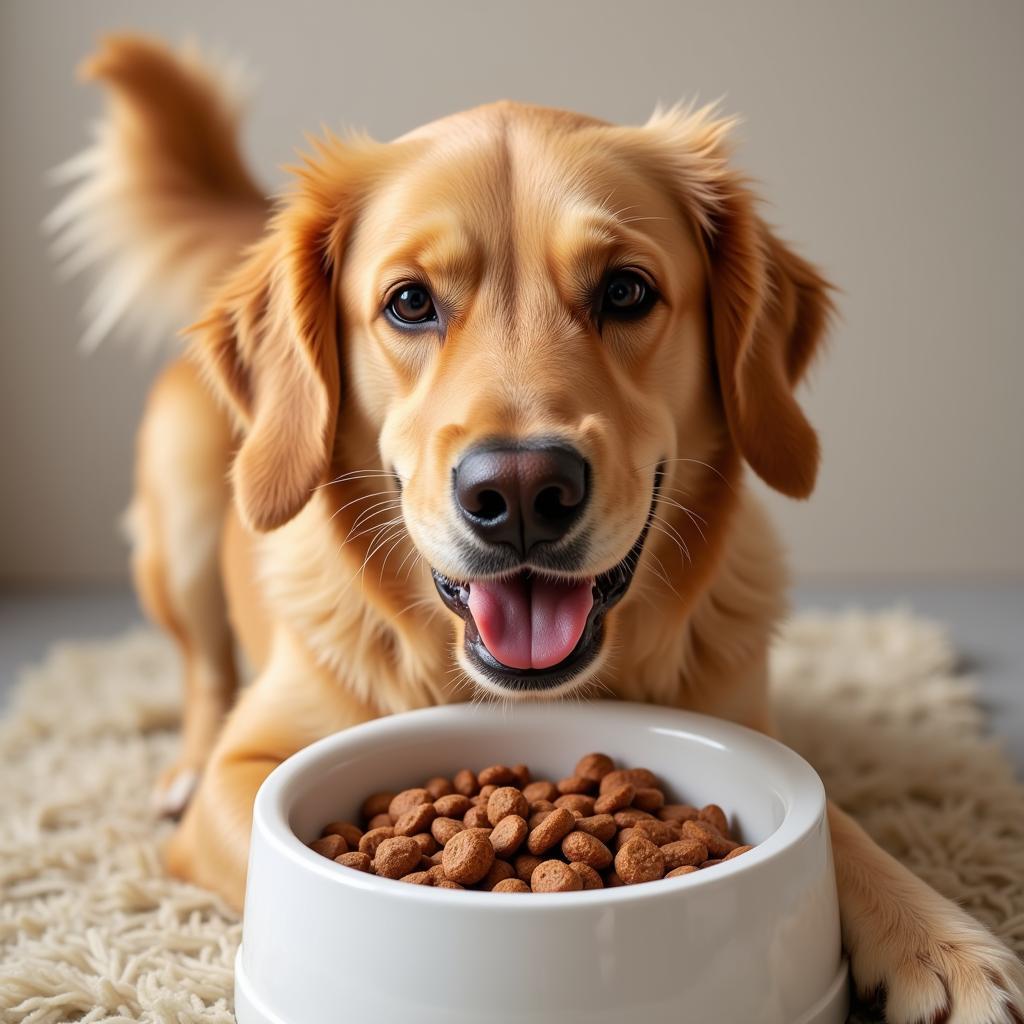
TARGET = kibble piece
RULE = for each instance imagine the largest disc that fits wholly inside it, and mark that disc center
(638, 778)
(435, 858)
(476, 817)
(554, 876)
(499, 871)
(454, 805)
(639, 860)
(737, 852)
(396, 857)
(485, 792)
(658, 832)
(612, 880)
(329, 846)
(522, 774)
(465, 783)
(349, 832)
(553, 829)
(616, 799)
(577, 802)
(684, 853)
(684, 869)
(375, 804)
(373, 838)
(715, 816)
(541, 805)
(508, 835)
(678, 812)
(380, 821)
(601, 826)
(415, 820)
(541, 790)
(717, 844)
(588, 876)
(353, 859)
(407, 800)
(497, 775)
(594, 766)
(579, 846)
(511, 885)
(418, 878)
(712, 862)
(436, 872)
(504, 801)
(427, 843)
(576, 784)
(630, 816)
(525, 864)
(650, 800)
(537, 817)
(447, 883)
(467, 857)
(442, 829)
(438, 787)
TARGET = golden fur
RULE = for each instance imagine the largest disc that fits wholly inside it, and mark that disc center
(297, 389)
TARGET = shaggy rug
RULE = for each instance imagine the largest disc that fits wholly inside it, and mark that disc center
(91, 930)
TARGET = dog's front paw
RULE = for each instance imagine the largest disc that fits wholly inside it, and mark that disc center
(946, 969)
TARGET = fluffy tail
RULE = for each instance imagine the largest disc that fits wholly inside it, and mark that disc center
(161, 204)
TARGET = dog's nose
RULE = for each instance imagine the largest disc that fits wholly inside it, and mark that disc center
(521, 496)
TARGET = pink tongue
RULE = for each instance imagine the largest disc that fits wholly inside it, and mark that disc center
(530, 623)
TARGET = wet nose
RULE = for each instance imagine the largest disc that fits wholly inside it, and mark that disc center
(521, 495)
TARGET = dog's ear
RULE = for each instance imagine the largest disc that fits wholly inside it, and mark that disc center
(769, 307)
(269, 345)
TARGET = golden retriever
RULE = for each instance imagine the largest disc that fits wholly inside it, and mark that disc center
(469, 411)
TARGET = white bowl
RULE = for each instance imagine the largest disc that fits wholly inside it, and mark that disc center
(754, 940)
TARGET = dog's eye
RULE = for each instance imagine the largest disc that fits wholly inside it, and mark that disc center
(626, 296)
(411, 304)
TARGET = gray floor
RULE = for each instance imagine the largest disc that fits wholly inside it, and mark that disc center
(986, 622)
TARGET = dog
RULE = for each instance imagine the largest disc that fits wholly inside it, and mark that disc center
(468, 412)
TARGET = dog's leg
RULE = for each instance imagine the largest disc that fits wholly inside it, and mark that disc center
(290, 705)
(933, 961)
(176, 520)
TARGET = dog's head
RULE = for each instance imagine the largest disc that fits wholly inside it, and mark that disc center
(547, 328)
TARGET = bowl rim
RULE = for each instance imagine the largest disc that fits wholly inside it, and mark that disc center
(804, 810)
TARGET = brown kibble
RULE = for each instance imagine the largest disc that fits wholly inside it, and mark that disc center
(442, 829)
(541, 805)
(467, 857)
(525, 864)
(717, 844)
(465, 783)
(588, 876)
(522, 774)
(415, 820)
(594, 766)
(329, 846)
(447, 883)
(427, 843)
(684, 853)
(380, 821)
(579, 846)
(508, 835)
(541, 790)
(630, 816)
(499, 871)
(737, 852)
(554, 876)
(577, 802)
(576, 784)
(504, 801)
(438, 787)
(485, 793)
(685, 869)
(555, 827)
(376, 804)
(396, 857)
(678, 812)
(712, 862)
(407, 800)
(418, 878)
(454, 805)
(638, 778)
(355, 860)
(639, 860)
(349, 832)
(373, 838)
(612, 880)
(649, 800)
(476, 817)
(511, 885)
(658, 832)
(497, 775)
(617, 799)
(435, 858)
(601, 826)
(537, 817)
(715, 817)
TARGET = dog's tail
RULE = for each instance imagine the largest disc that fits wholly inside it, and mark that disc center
(161, 204)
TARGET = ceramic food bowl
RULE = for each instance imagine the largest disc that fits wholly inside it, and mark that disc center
(754, 940)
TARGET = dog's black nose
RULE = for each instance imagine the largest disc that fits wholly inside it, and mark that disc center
(521, 496)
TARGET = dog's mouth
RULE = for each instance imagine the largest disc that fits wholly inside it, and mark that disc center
(529, 631)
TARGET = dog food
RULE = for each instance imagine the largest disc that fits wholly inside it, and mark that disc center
(499, 830)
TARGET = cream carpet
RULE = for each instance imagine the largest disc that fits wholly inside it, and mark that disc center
(90, 930)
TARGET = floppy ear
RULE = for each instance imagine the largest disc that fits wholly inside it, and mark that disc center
(769, 311)
(269, 345)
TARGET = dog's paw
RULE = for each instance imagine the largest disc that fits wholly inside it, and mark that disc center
(174, 790)
(949, 970)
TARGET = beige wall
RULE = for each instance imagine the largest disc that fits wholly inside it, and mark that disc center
(888, 138)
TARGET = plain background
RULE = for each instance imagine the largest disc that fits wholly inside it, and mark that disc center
(888, 138)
